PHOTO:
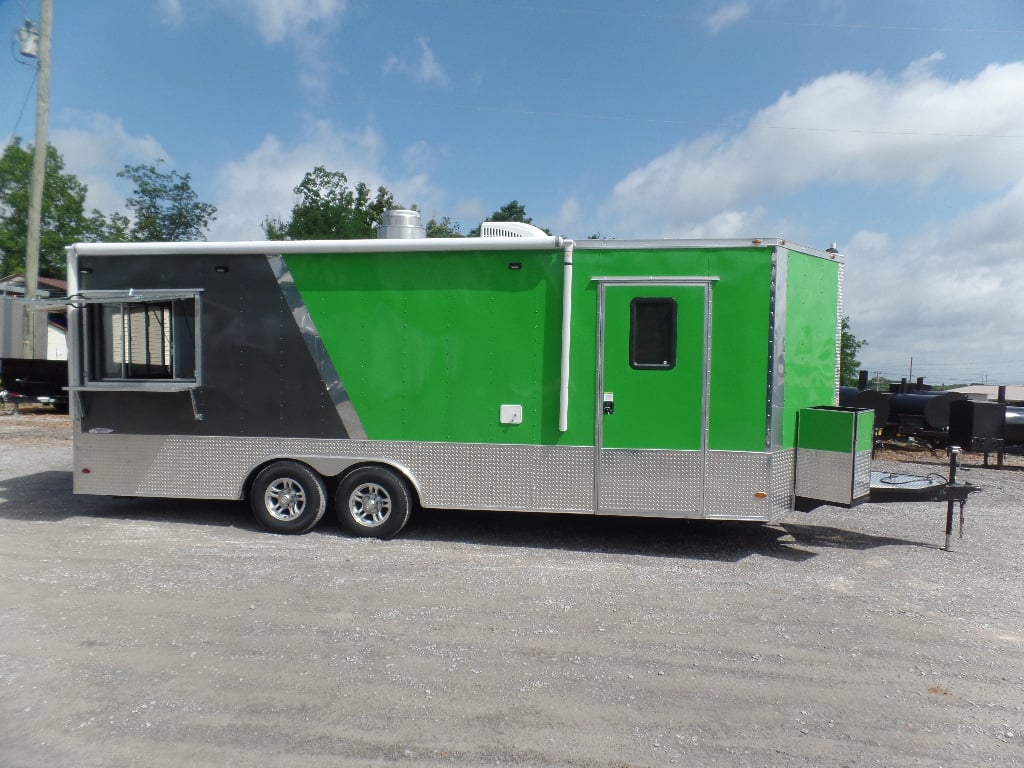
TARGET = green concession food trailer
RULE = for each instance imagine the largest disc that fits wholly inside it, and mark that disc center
(513, 371)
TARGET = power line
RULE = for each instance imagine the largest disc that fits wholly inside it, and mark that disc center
(702, 124)
(24, 104)
(551, 9)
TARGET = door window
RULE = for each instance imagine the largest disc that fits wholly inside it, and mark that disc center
(652, 333)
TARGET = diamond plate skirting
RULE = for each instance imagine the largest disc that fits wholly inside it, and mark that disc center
(532, 478)
(453, 475)
(861, 475)
(651, 483)
(832, 477)
(736, 478)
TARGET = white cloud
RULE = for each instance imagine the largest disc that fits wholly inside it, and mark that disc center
(276, 21)
(427, 69)
(724, 224)
(303, 24)
(420, 156)
(846, 127)
(430, 69)
(923, 68)
(469, 212)
(173, 11)
(292, 20)
(254, 187)
(260, 184)
(569, 218)
(949, 298)
(96, 149)
(727, 15)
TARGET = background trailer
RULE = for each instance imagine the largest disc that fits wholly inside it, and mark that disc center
(665, 378)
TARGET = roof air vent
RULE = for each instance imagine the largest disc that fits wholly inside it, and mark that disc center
(510, 229)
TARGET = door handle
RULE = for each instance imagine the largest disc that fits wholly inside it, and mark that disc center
(608, 403)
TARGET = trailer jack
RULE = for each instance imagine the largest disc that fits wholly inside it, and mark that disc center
(955, 493)
(891, 486)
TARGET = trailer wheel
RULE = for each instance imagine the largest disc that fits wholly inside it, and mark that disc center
(288, 497)
(373, 501)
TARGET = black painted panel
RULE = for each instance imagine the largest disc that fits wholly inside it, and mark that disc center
(259, 378)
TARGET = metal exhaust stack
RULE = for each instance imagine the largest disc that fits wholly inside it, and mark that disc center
(401, 224)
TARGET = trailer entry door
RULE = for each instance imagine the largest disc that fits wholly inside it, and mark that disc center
(653, 354)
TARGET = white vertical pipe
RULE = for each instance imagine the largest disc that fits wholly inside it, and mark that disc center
(563, 386)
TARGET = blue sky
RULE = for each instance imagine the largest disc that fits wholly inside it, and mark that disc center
(892, 127)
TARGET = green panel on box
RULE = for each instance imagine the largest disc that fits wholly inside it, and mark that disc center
(826, 429)
(865, 430)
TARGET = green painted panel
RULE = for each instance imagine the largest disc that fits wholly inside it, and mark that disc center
(865, 430)
(810, 328)
(430, 345)
(740, 332)
(827, 429)
(739, 329)
(660, 407)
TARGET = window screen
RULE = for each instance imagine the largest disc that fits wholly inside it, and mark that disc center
(143, 340)
(652, 333)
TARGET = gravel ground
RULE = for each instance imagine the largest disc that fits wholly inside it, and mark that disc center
(170, 633)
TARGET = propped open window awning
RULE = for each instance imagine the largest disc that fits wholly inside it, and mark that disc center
(125, 296)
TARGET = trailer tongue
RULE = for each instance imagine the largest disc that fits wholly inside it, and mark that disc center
(892, 486)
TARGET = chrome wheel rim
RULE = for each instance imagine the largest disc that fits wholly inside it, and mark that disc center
(285, 499)
(370, 505)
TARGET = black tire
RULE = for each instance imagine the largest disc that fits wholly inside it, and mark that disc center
(373, 502)
(288, 497)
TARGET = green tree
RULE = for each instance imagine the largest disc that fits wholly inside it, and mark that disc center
(849, 346)
(63, 219)
(116, 228)
(443, 228)
(328, 209)
(511, 211)
(163, 207)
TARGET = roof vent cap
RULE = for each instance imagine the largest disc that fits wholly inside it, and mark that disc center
(401, 224)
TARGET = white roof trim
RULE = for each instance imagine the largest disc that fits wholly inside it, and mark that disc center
(265, 247)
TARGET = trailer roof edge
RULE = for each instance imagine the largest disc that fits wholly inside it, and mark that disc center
(735, 242)
(434, 244)
(265, 247)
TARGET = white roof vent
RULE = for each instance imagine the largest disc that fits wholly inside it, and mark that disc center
(510, 229)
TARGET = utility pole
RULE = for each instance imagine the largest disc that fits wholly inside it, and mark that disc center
(35, 206)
